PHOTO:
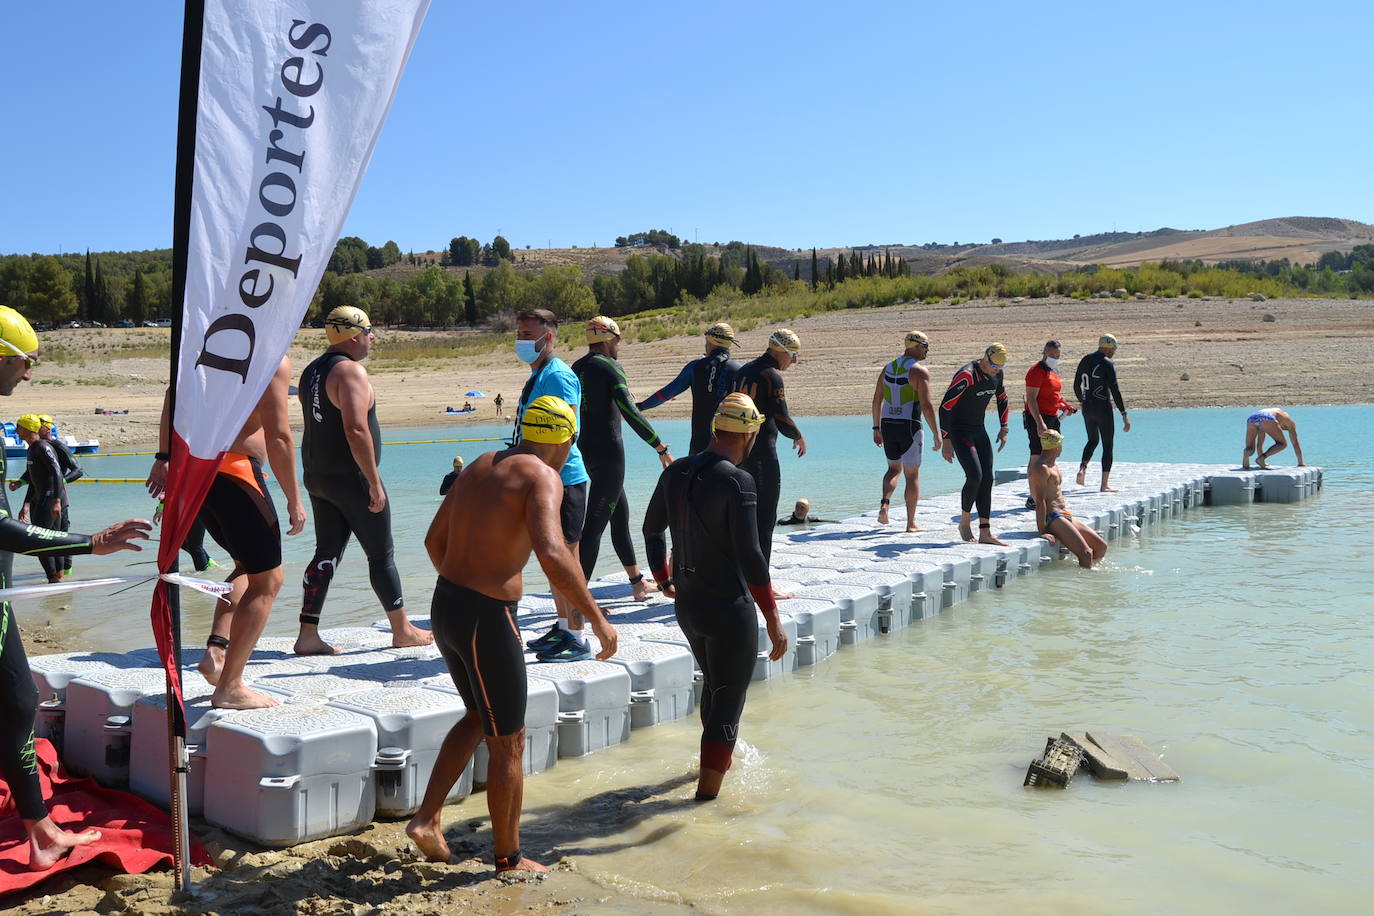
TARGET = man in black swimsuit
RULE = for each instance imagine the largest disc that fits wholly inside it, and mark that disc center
(710, 377)
(45, 504)
(504, 506)
(71, 472)
(18, 695)
(1094, 384)
(708, 502)
(961, 428)
(340, 451)
(605, 400)
(762, 381)
(452, 476)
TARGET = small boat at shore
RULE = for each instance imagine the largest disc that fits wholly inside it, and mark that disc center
(17, 448)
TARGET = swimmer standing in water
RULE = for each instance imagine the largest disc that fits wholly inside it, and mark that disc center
(719, 575)
(1052, 518)
(505, 505)
(1271, 422)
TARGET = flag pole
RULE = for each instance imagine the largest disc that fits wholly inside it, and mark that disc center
(192, 31)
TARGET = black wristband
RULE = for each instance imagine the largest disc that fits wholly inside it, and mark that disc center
(875, 427)
(161, 456)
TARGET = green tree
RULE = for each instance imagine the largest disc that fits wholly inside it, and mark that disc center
(349, 257)
(469, 298)
(500, 290)
(87, 289)
(391, 254)
(560, 290)
(136, 303)
(501, 249)
(49, 294)
(815, 274)
(375, 258)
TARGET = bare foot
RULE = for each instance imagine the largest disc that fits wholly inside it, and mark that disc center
(1262, 465)
(1081, 478)
(211, 663)
(525, 864)
(48, 843)
(965, 529)
(410, 635)
(429, 839)
(882, 514)
(912, 527)
(239, 697)
(782, 596)
(312, 645)
(641, 590)
(1109, 490)
(1245, 465)
(990, 538)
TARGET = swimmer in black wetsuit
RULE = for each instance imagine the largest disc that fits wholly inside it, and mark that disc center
(46, 501)
(18, 696)
(605, 400)
(762, 381)
(961, 428)
(801, 515)
(708, 503)
(340, 451)
(711, 378)
(452, 476)
(1094, 384)
(505, 505)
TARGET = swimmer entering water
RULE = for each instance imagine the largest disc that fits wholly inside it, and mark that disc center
(1052, 518)
(709, 504)
(505, 505)
(1271, 422)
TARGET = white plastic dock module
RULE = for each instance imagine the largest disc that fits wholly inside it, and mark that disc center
(52, 673)
(858, 606)
(818, 627)
(894, 596)
(99, 715)
(541, 729)
(593, 704)
(660, 681)
(764, 668)
(291, 773)
(411, 724)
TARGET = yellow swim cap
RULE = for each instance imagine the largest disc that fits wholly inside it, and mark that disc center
(915, 337)
(345, 323)
(29, 421)
(737, 414)
(47, 419)
(16, 334)
(458, 462)
(601, 329)
(997, 354)
(1051, 438)
(722, 334)
(1106, 340)
(548, 420)
(784, 339)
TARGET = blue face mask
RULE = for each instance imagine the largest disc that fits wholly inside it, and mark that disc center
(527, 351)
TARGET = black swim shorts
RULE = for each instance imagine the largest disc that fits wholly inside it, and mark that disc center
(573, 512)
(479, 641)
(902, 441)
(1032, 431)
(238, 513)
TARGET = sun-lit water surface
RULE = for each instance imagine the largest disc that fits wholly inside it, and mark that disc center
(1237, 641)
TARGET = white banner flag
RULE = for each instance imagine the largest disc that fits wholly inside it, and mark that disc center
(293, 94)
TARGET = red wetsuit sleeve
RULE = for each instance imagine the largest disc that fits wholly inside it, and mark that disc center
(763, 597)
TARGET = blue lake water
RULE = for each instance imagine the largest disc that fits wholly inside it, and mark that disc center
(888, 779)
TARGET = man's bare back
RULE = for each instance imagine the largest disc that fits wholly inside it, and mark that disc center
(481, 537)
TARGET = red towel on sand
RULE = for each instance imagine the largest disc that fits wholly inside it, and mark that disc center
(135, 836)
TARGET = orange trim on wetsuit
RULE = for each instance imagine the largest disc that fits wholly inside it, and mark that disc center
(240, 467)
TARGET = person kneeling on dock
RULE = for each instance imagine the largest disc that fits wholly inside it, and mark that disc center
(709, 504)
(503, 506)
(1053, 519)
(1271, 422)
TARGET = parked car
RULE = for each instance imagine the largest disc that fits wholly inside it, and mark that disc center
(96, 324)
(162, 323)
(71, 324)
(124, 323)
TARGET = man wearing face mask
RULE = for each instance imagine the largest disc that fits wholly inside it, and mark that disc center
(535, 336)
(1044, 406)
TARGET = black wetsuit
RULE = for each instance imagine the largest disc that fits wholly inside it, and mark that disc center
(47, 485)
(762, 381)
(18, 695)
(72, 471)
(339, 497)
(709, 505)
(711, 378)
(605, 400)
(962, 410)
(447, 483)
(1094, 384)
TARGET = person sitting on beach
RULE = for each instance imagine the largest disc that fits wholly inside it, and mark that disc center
(1271, 422)
(720, 575)
(239, 514)
(452, 476)
(1052, 518)
(801, 514)
(18, 696)
(506, 505)
(467, 406)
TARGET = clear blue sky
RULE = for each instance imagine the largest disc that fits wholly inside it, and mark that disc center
(795, 124)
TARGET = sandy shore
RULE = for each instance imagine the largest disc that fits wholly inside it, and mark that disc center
(1229, 354)
(1174, 353)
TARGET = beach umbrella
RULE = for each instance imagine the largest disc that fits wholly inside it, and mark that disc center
(474, 394)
